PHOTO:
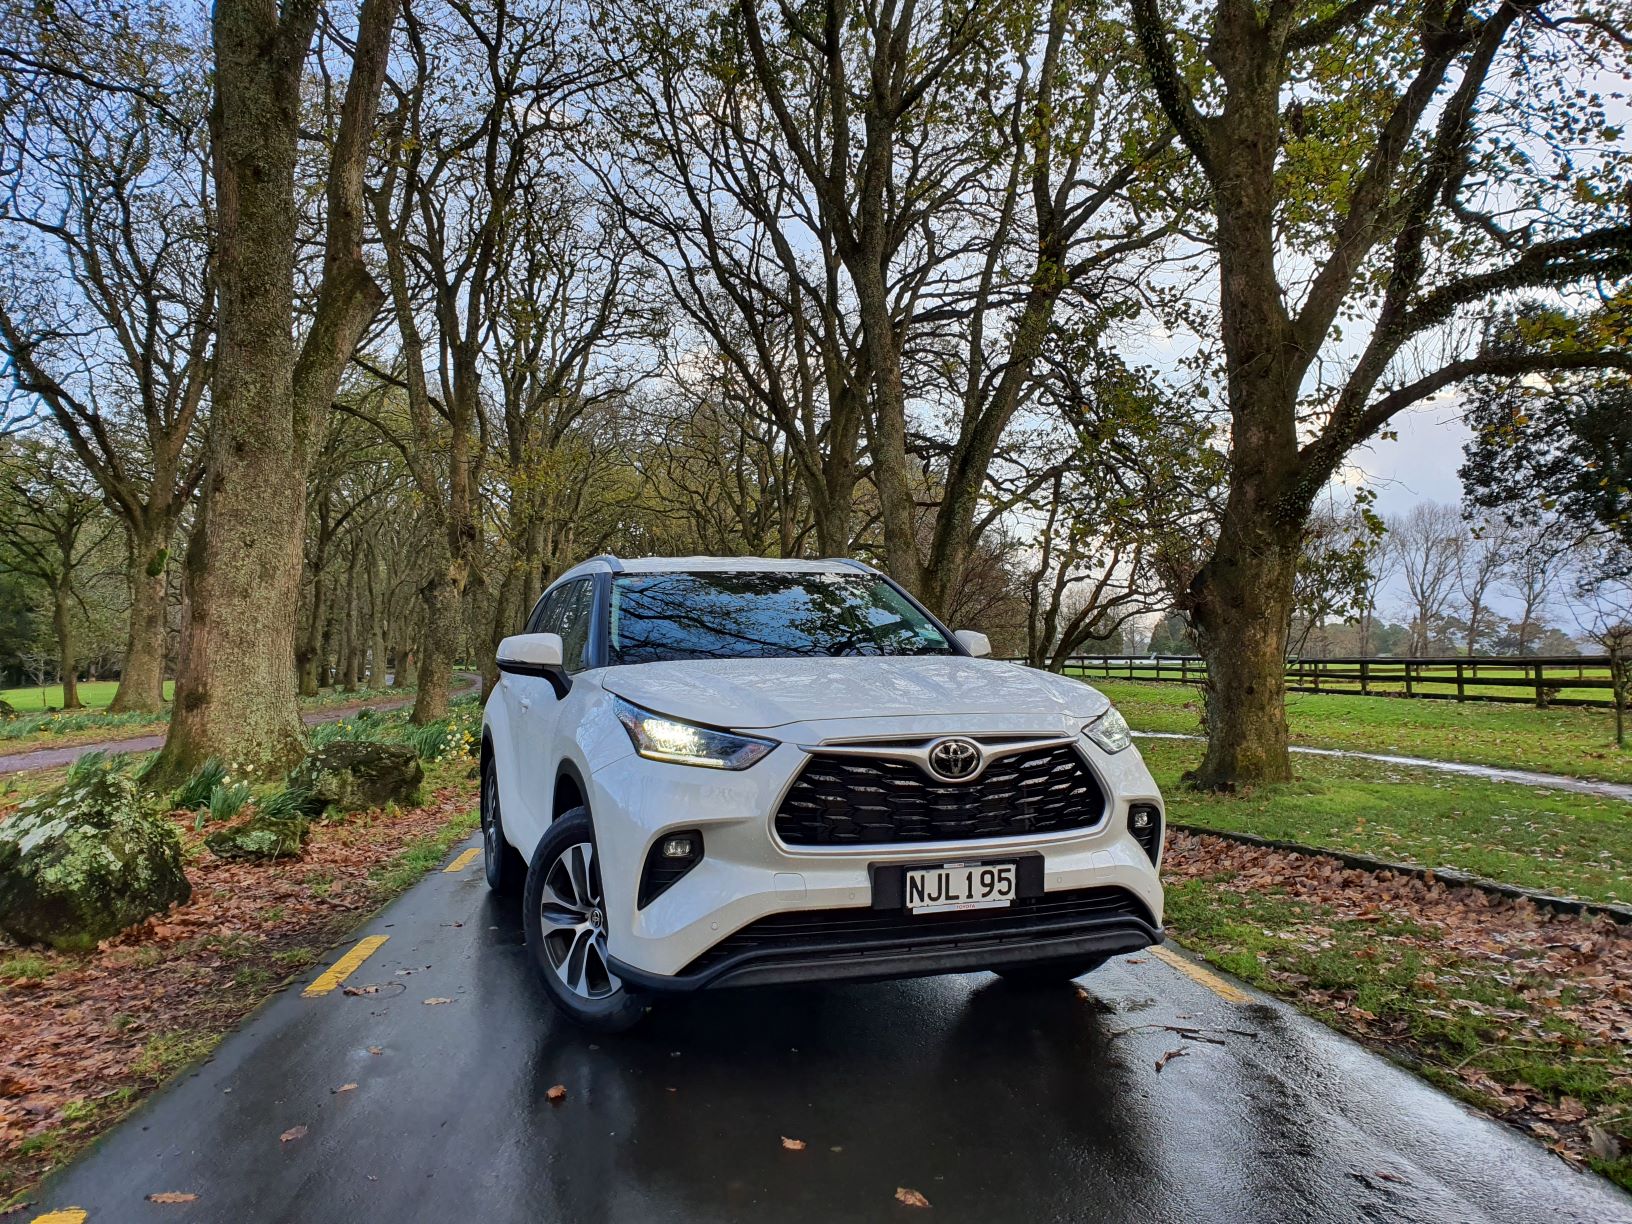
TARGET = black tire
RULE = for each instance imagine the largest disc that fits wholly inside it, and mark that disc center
(1055, 973)
(569, 950)
(506, 869)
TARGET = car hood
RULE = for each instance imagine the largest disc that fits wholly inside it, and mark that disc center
(758, 693)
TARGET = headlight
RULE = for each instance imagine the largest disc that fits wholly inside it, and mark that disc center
(664, 739)
(1110, 731)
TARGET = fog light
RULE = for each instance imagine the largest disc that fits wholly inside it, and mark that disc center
(679, 847)
(1145, 824)
(668, 859)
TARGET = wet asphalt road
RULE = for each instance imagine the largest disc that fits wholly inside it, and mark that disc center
(996, 1105)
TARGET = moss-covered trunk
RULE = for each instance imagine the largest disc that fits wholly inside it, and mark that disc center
(141, 679)
(67, 665)
(1242, 612)
(235, 692)
(444, 603)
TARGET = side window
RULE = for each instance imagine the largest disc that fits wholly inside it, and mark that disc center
(547, 611)
(577, 609)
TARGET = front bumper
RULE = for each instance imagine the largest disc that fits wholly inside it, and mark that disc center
(871, 945)
(696, 934)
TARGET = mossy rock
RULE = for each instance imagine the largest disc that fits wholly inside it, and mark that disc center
(80, 863)
(261, 837)
(356, 775)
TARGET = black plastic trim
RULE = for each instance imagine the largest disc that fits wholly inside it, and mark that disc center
(559, 680)
(654, 877)
(1151, 840)
(785, 967)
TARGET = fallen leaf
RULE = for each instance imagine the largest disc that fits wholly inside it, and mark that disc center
(172, 1196)
(1603, 1144)
(1169, 1057)
(360, 990)
(376, 1050)
(910, 1198)
(793, 1145)
(345, 1088)
(436, 1002)
(293, 1133)
(557, 1094)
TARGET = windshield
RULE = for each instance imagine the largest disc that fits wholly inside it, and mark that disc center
(755, 614)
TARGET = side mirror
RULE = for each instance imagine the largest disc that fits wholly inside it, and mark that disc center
(977, 644)
(530, 654)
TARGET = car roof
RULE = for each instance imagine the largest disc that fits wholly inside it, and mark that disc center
(666, 565)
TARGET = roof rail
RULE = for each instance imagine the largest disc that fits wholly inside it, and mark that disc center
(862, 566)
(612, 563)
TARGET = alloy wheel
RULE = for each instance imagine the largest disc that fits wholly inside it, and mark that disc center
(574, 923)
(492, 839)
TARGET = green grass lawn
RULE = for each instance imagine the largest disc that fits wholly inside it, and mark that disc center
(66, 728)
(1576, 742)
(1510, 683)
(93, 694)
(1549, 840)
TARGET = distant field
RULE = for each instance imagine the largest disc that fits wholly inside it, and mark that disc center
(1435, 681)
(93, 694)
(35, 727)
(1578, 742)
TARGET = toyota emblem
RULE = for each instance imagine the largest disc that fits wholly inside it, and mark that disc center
(956, 760)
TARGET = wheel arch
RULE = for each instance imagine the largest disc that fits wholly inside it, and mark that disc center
(570, 791)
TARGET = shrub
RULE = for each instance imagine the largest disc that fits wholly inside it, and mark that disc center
(195, 793)
(227, 800)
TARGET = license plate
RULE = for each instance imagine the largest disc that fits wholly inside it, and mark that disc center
(960, 886)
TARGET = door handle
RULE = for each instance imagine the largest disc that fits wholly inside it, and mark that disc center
(526, 703)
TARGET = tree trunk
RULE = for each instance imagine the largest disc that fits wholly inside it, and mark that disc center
(443, 608)
(235, 694)
(349, 649)
(141, 680)
(65, 646)
(1241, 606)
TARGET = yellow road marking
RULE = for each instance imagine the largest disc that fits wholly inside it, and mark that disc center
(464, 860)
(68, 1215)
(1196, 973)
(344, 967)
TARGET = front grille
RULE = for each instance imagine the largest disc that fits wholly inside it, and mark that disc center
(859, 800)
(810, 934)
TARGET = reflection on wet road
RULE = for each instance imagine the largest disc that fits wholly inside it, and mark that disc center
(994, 1104)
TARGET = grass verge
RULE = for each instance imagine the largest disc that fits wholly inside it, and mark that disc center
(1521, 1015)
(1574, 845)
(1578, 743)
(163, 995)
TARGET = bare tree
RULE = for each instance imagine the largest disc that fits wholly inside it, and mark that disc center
(1537, 559)
(1428, 543)
(51, 520)
(1483, 554)
(107, 306)
(908, 208)
(446, 210)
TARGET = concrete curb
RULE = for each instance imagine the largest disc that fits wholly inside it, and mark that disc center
(1620, 914)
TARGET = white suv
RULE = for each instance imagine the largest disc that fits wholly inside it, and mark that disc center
(706, 772)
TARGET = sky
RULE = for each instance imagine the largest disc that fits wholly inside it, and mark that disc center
(1421, 465)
